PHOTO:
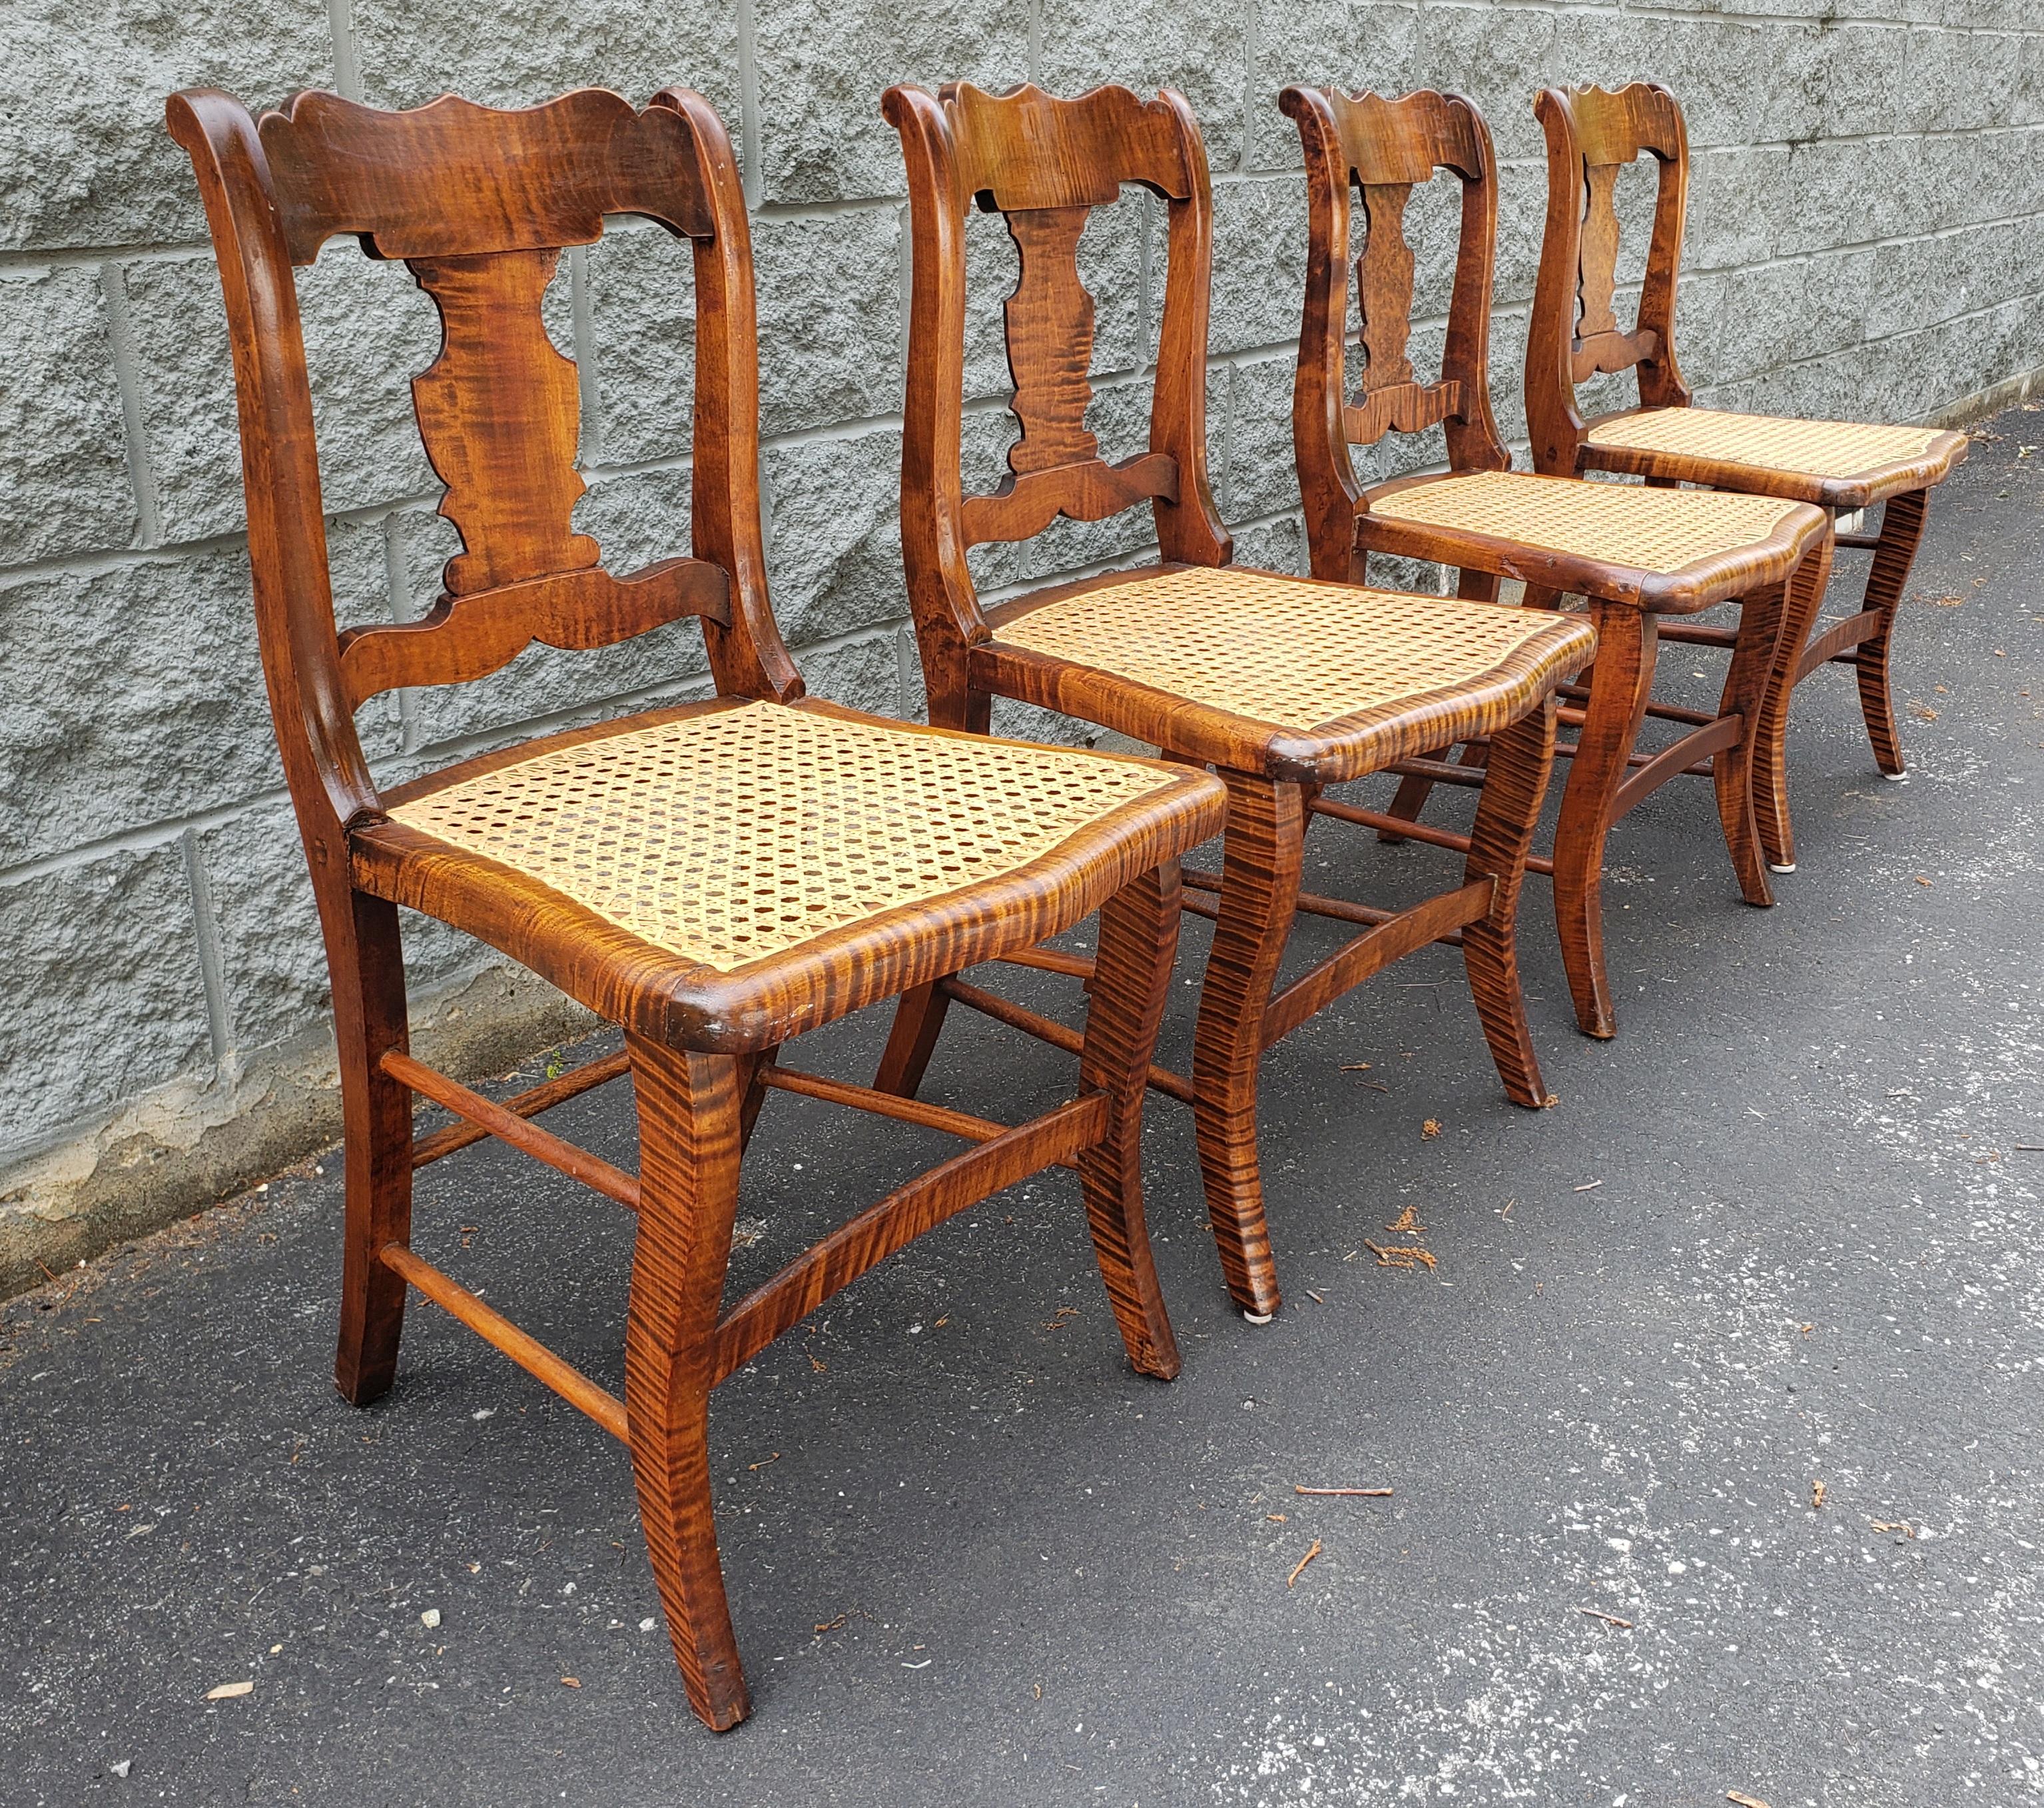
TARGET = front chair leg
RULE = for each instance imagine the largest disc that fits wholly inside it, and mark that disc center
(1262, 852)
(689, 1111)
(1139, 943)
(1521, 758)
(1805, 601)
(367, 958)
(1901, 528)
(1757, 661)
(1627, 639)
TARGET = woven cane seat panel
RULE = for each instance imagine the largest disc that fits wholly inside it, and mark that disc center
(1661, 531)
(728, 837)
(1279, 651)
(1818, 448)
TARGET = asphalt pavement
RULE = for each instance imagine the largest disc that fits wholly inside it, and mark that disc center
(1711, 1412)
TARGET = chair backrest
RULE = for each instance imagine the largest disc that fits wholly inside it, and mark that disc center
(1384, 148)
(480, 204)
(1043, 164)
(1593, 133)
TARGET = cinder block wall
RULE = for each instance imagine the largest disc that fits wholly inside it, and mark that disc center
(1867, 238)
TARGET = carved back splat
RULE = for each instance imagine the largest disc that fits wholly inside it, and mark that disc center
(1050, 325)
(478, 203)
(1044, 164)
(1386, 148)
(1591, 135)
(500, 414)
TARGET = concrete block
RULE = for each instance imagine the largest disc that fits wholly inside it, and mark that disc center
(65, 485)
(637, 518)
(836, 550)
(1259, 274)
(861, 672)
(511, 57)
(273, 963)
(822, 69)
(1278, 545)
(1148, 44)
(99, 966)
(1499, 56)
(1357, 46)
(84, 159)
(147, 705)
(368, 331)
(1262, 474)
(643, 316)
(831, 322)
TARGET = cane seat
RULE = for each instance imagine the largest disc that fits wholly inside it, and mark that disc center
(1331, 681)
(1676, 549)
(737, 855)
(1841, 464)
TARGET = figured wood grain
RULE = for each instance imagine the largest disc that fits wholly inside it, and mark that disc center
(1544, 529)
(480, 202)
(1591, 134)
(1207, 664)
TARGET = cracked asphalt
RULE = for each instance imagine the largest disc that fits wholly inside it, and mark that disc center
(1783, 1233)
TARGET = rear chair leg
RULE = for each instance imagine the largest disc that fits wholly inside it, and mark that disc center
(1627, 642)
(1413, 790)
(1807, 585)
(1521, 758)
(1262, 852)
(367, 961)
(689, 1111)
(1757, 661)
(919, 1020)
(1901, 529)
(1138, 941)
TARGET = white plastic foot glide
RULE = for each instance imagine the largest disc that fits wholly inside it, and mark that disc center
(1259, 1318)
(1896, 778)
(1773, 868)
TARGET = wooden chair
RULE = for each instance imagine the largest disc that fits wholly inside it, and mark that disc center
(1636, 555)
(1841, 467)
(715, 878)
(1283, 685)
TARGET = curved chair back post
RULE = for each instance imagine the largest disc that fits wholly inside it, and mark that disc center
(1044, 164)
(478, 203)
(1592, 133)
(1384, 148)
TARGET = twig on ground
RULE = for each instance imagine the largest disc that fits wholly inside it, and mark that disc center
(1312, 1551)
(1599, 1614)
(1378, 1493)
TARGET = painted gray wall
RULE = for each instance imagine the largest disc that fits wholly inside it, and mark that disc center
(1866, 226)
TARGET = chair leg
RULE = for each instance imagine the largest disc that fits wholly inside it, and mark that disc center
(366, 961)
(1413, 790)
(689, 1109)
(1627, 641)
(919, 1020)
(1901, 529)
(1139, 943)
(1522, 757)
(752, 1093)
(1261, 855)
(1757, 660)
(1804, 603)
